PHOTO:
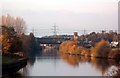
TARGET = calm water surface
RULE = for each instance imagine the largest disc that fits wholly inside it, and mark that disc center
(49, 62)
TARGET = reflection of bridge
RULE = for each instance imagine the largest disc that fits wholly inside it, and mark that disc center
(51, 40)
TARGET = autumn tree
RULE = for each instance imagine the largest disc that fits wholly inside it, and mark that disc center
(10, 41)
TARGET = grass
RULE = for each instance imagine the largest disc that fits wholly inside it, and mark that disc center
(9, 58)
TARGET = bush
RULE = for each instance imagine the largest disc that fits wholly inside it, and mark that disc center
(69, 47)
(84, 51)
(72, 47)
(113, 62)
(101, 49)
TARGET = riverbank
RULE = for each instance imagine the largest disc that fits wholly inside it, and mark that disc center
(100, 50)
(12, 63)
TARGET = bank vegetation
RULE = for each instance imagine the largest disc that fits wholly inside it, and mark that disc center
(101, 49)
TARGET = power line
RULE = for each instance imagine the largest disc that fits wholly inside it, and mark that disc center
(84, 31)
(55, 30)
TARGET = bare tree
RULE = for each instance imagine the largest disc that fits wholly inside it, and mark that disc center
(20, 25)
(16, 22)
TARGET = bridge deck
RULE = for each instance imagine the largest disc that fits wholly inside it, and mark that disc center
(51, 40)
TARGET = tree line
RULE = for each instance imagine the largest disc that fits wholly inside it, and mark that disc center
(13, 38)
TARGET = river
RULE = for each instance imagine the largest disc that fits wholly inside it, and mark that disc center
(49, 62)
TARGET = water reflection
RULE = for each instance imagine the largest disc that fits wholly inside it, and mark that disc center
(32, 57)
(99, 64)
(71, 59)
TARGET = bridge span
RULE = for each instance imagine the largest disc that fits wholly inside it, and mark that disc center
(51, 40)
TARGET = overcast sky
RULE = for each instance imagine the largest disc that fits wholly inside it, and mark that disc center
(68, 15)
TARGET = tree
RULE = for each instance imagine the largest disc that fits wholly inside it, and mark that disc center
(20, 25)
(101, 49)
(16, 22)
(10, 40)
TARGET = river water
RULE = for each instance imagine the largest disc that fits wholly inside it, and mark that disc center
(49, 62)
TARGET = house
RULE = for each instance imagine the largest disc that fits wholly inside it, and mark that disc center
(114, 44)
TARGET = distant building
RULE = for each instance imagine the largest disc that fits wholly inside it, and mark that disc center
(114, 44)
(75, 37)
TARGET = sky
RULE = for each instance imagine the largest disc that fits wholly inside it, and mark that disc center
(68, 15)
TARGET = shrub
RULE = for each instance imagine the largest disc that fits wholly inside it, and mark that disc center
(84, 51)
(101, 49)
(69, 47)
(63, 47)
(113, 62)
(73, 47)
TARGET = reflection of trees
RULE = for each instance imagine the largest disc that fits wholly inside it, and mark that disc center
(101, 65)
(31, 61)
(74, 60)
(71, 59)
(32, 56)
(84, 59)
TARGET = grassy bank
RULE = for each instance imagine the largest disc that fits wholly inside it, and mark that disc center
(10, 58)
(12, 63)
